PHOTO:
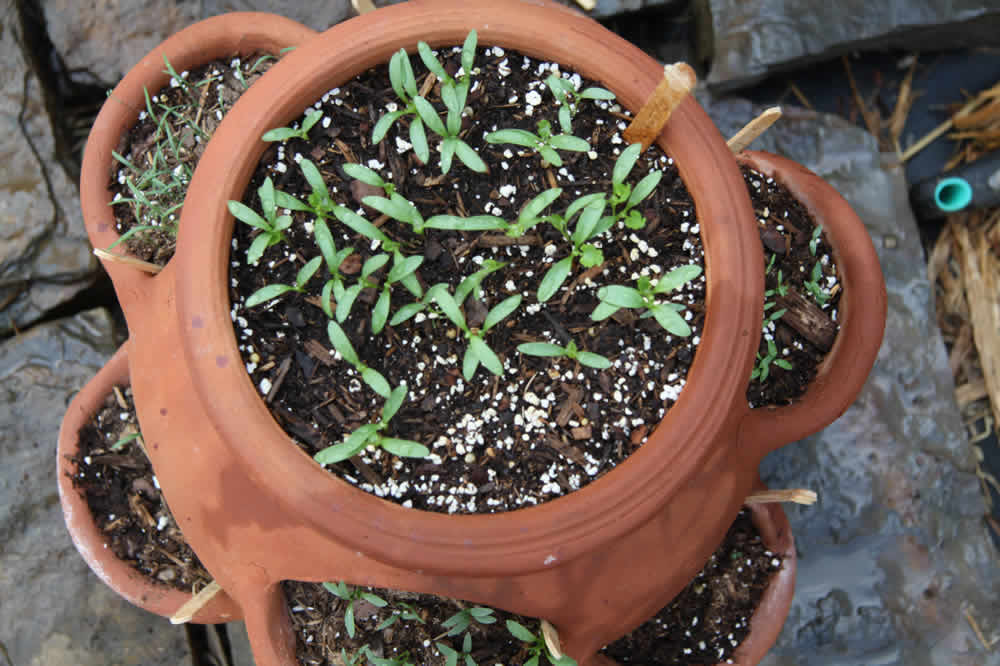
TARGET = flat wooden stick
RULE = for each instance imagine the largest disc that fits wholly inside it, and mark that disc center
(362, 6)
(587, 5)
(186, 612)
(551, 639)
(754, 129)
(796, 495)
(128, 261)
(678, 81)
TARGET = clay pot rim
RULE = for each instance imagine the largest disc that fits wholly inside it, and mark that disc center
(92, 544)
(520, 540)
(201, 42)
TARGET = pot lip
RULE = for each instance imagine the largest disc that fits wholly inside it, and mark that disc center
(90, 542)
(201, 42)
(492, 544)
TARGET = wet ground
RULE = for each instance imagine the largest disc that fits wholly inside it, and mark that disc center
(896, 565)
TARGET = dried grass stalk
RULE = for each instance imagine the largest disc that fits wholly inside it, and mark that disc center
(796, 495)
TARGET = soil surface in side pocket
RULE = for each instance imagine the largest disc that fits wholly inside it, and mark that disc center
(125, 499)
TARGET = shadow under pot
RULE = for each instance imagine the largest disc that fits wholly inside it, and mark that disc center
(93, 543)
(259, 511)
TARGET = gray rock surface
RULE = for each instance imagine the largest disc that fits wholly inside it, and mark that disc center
(55, 612)
(895, 551)
(752, 38)
(44, 255)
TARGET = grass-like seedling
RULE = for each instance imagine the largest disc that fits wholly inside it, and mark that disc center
(478, 352)
(368, 177)
(403, 271)
(404, 612)
(545, 143)
(125, 439)
(570, 351)
(404, 83)
(530, 215)
(645, 296)
(536, 646)
(352, 595)
(569, 99)
(286, 133)
(762, 369)
(403, 210)
(273, 291)
(452, 144)
(157, 194)
(813, 284)
(271, 225)
(370, 434)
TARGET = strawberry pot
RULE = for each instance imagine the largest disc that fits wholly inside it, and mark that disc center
(258, 511)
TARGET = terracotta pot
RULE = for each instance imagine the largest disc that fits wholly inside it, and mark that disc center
(223, 36)
(258, 510)
(243, 33)
(90, 541)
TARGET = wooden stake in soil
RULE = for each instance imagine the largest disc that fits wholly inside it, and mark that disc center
(678, 81)
(186, 612)
(128, 261)
(754, 129)
(551, 639)
(362, 6)
(796, 495)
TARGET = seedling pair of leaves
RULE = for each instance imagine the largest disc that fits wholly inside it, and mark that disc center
(545, 143)
(645, 296)
(570, 351)
(370, 434)
(453, 96)
(352, 595)
(478, 352)
(569, 99)
(763, 368)
(271, 225)
(470, 285)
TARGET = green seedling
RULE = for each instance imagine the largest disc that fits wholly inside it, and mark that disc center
(120, 444)
(624, 198)
(403, 271)
(478, 352)
(334, 286)
(470, 285)
(775, 315)
(464, 618)
(814, 286)
(588, 225)
(351, 660)
(352, 595)
(569, 99)
(545, 143)
(645, 296)
(451, 656)
(405, 612)
(157, 195)
(346, 296)
(451, 143)
(240, 76)
(402, 210)
(530, 215)
(405, 86)
(570, 351)
(401, 660)
(368, 177)
(369, 376)
(763, 368)
(271, 225)
(536, 646)
(273, 291)
(468, 60)
(286, 133)
(370, 434)
(815, 239)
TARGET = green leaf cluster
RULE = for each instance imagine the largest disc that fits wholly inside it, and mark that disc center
(536, 646)
(271, 225)
(545, 143)
(569, 99)
(478, 352)
(645, 296)
(570, 351)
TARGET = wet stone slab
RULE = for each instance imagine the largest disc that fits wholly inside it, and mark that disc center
(55, 611)
(44, 255)
(753, 38)
(895, 552)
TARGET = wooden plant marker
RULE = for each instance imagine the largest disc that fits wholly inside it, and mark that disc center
(796, 495)
(362, 6)
(551, 637)
(128, 261)
(754, 129)
(186, 612)
(678, 81)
